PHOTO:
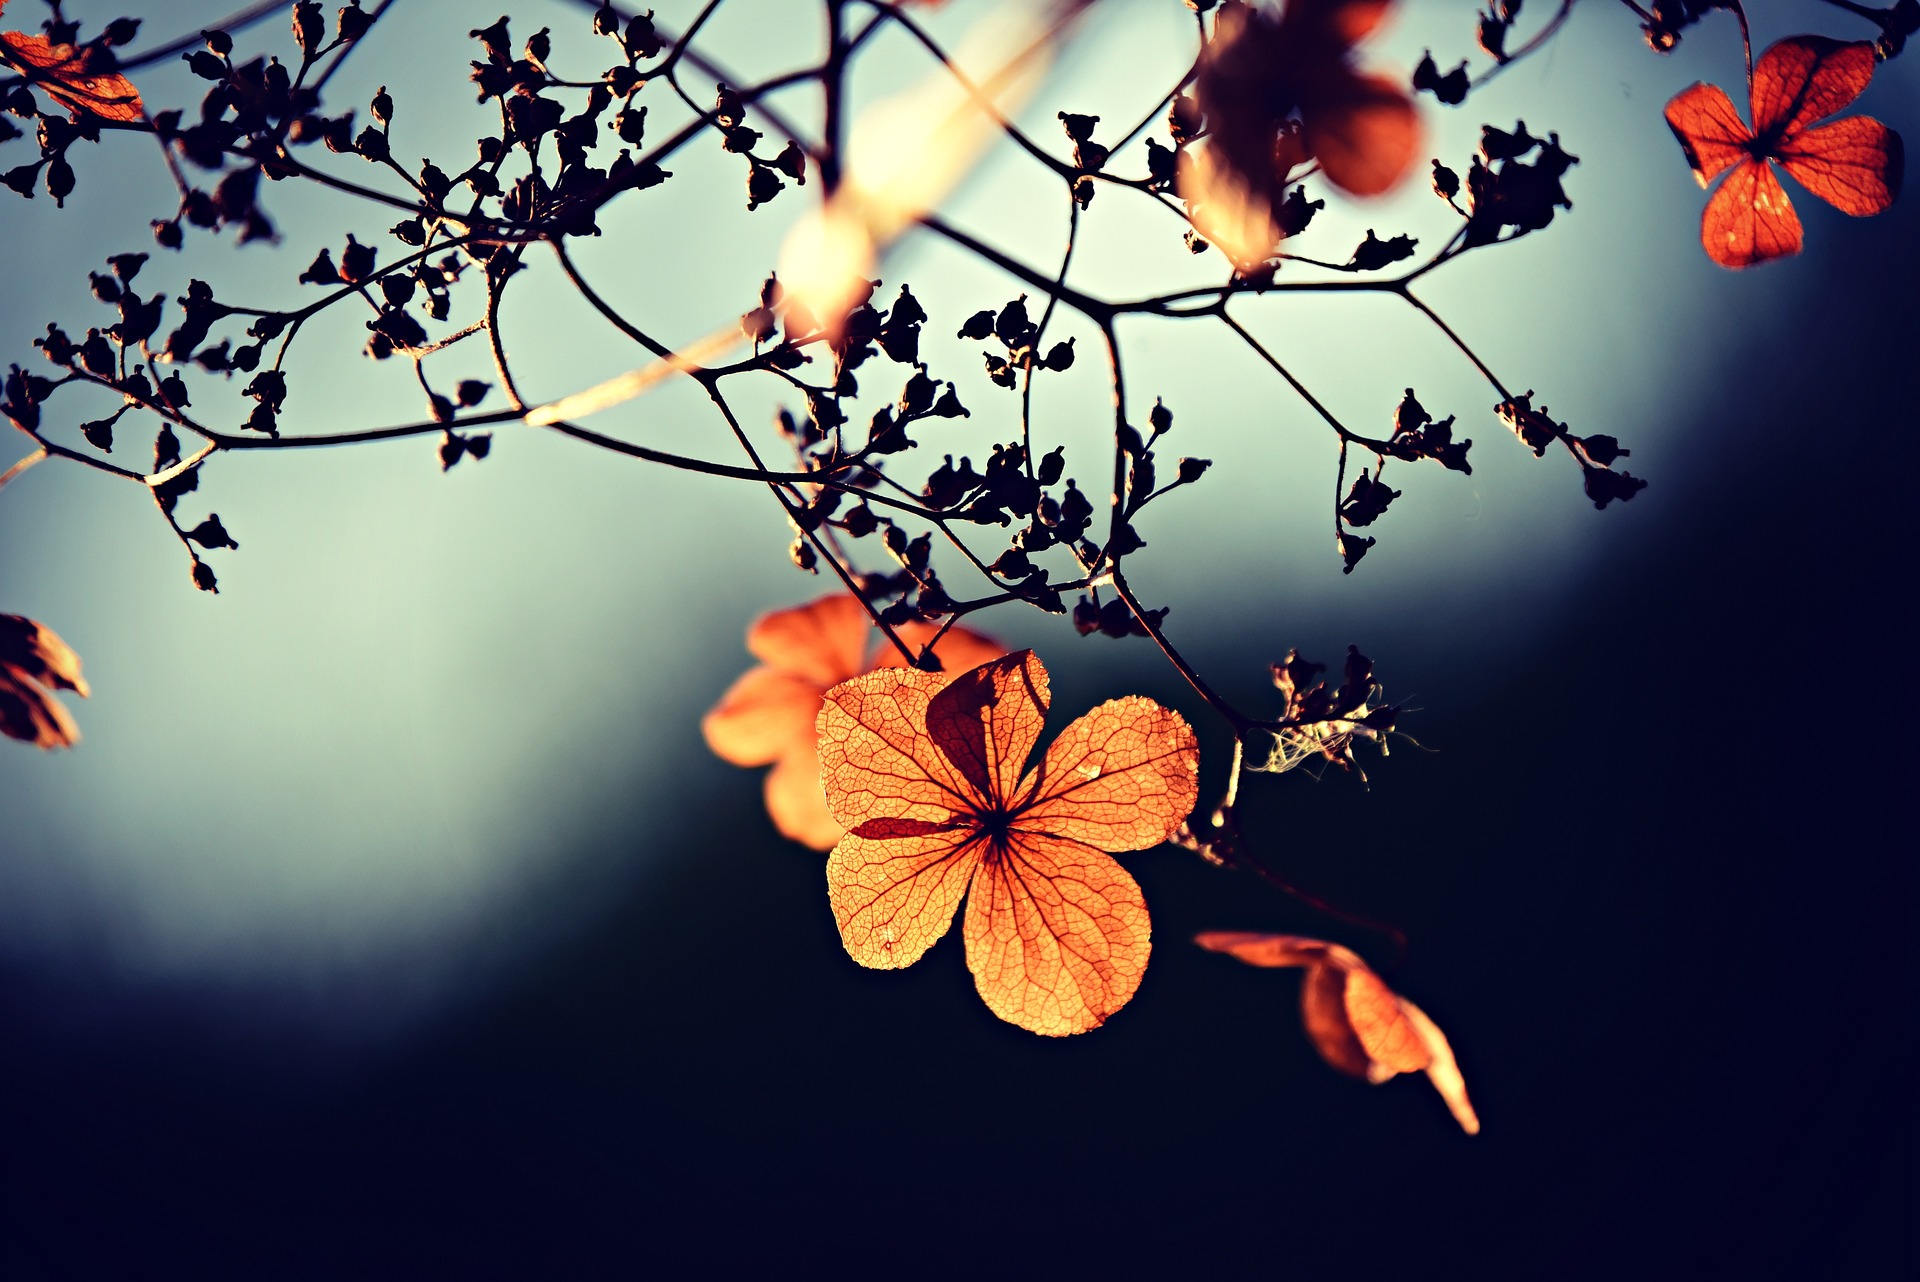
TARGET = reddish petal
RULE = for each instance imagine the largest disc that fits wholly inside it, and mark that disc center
(1123, 777)
(1749, 219)
(1057, 935)
(1257, 948)
(797, 803)
(894, 896)
(824, 641)
(29, 713)
(762, 716)
(1709, 129)
(73, 76)
(876, 759)
(986, 722)
(1365, 135)
(1806, 78)
(1854, 164)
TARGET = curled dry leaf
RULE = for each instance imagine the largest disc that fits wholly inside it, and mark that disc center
(1261, 73)
(930, 780)
(1358, 1024)
(767, 716)
(80, 76)
(33, 664)
(1855, 164)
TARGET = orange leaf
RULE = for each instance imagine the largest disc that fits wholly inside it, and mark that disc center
(34, 662)
(79, 76)
(1357, 1023)
(930, 779)
(768, 715)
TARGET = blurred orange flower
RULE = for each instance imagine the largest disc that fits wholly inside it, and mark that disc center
(1358, 1024)
(768, 714)
(34, 663)
(1259, 72)
(929, 778)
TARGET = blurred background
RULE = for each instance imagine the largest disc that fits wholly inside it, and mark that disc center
(392, 916)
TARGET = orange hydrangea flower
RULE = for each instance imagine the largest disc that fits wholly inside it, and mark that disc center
(33, 664)
(768, 714)
(1853, 164)
(1358, 1024)
(1260, 71)
(930, 780)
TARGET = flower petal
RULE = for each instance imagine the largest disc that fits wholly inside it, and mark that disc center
(876, 759)
(895, 892)
(762, 716)
(986, 722)
(796, 801)
(1122, 777)
(1365, 134)
(74, 75)
(34, 662)
(1389, 1038)
(1806, 78)
(824, 641)
(1749, 219)
(1710, 131)
(961, 650)
(1442, 1070)
(1854, 164)
(1323, 1009)
(1057, 935)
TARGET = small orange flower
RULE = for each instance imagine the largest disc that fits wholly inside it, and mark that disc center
(34, 663)
(929, 778)
(1358, 1024)
(1853, 164)
(768, 714)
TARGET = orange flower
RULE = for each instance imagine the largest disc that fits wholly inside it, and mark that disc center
(768, 714)
(929, 778)
(1853, 164)
(34, 663)
(1260, 71)
(1358, 1024)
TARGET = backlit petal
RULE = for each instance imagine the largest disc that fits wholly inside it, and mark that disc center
(763, 715)
(895, 893)
(1710, 131)
(1806, 78)
(876, 759)
(824, 641)
(1122, 777)
(986, 722)
(1749, 219)
(1853, 164)
(796, 801)
(1057, 935)
(961, 650)
(1366, 135)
